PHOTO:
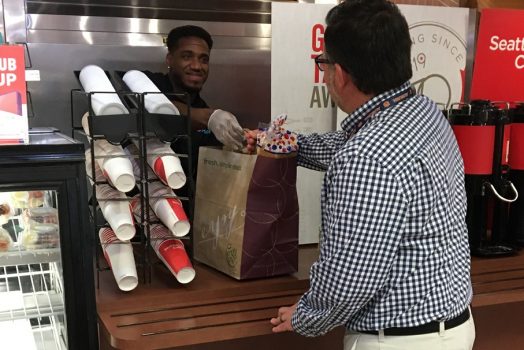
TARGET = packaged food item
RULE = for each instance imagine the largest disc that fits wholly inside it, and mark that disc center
(41, 236)
(5, 212)
(277, 142)
(41, 215)
(27, 199)
(5, 209)
(20, 199)
(5, 240)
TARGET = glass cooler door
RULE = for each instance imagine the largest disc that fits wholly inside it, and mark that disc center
(32, 307)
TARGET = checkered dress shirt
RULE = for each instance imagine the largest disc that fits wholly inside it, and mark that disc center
(394, 249)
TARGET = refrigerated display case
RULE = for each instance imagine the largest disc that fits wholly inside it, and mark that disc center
(46, 252)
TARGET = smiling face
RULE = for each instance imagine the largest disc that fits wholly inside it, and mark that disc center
(189, 64)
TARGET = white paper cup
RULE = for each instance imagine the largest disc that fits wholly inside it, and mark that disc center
(169, 170)
(94, 79)
(116, 212)
(165, 108)
(118, 216)
(172, 253)
(117, 169)
(120, 173)
(119, 256)
(110, 108)
(154, 103)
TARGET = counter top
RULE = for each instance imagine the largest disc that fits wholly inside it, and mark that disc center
(213, 307)
(217, 308)
(497, 280)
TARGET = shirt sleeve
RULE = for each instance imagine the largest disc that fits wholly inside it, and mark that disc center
(317, 150)
(362, 224)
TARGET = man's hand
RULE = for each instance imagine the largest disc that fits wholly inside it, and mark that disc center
(226, 129)
(282, 323)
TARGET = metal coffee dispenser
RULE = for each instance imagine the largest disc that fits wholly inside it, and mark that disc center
(482, 130)
(516, 175)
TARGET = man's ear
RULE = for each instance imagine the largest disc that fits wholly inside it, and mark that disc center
(169, 59)
(342, 78)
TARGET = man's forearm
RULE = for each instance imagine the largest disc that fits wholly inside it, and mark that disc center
(199, 116)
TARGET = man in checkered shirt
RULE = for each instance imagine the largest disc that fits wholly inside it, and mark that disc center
(394, 264)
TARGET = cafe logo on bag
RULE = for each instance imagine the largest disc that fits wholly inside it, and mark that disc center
(438, 60)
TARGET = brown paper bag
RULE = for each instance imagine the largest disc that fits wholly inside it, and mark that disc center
(246, 214)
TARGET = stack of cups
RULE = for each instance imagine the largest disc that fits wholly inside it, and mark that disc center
(155, 102)
(114, 163)
(117, 211)
(94, 79)
(136, 208)
(133, 153)
(165, 164)
(98, 176)
(169, 210)
(119, 256)
(172, 253)
(113, 204)
(116, 167)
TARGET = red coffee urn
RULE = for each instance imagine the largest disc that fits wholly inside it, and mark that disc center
(516, 175)
(482, 132)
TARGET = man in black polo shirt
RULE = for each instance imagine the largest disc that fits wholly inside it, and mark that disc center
(188, 68)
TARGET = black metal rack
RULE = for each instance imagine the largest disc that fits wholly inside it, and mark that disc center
(139, 126)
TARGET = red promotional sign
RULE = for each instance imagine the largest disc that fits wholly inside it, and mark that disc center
(13, 104)
(498, 73)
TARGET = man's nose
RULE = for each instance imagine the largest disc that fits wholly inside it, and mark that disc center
(195, 64)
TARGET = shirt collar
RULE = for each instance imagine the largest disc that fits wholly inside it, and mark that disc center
(353, 122)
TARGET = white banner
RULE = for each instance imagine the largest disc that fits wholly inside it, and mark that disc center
(438, 60)
(297, 89)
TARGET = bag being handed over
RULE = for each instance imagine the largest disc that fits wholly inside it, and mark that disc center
(246, 212)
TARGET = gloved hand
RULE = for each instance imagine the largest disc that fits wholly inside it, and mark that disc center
(226, 129)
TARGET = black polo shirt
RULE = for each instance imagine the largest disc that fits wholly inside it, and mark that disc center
(202, 137)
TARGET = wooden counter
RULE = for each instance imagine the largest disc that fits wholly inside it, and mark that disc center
(213, 312)
(217, 312)
(498, 302)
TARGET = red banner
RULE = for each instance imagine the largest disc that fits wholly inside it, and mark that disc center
(498, 73)
(13, 104)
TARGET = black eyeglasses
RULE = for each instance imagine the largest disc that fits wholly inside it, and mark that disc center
(320, 59)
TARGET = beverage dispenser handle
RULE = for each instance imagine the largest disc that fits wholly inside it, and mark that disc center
(459, 104)
(502, 103)
(494, 190)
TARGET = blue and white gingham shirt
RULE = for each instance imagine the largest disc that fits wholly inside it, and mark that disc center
(395, 248)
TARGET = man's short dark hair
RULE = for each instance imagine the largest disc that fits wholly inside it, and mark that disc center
(187, 31)
(370, 40)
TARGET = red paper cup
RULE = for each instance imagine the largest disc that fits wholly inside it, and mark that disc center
(169, 170)
(136, 208)
(169, 210)
(172, 253)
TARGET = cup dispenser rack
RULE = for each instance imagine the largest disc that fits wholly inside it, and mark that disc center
(137, 127)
